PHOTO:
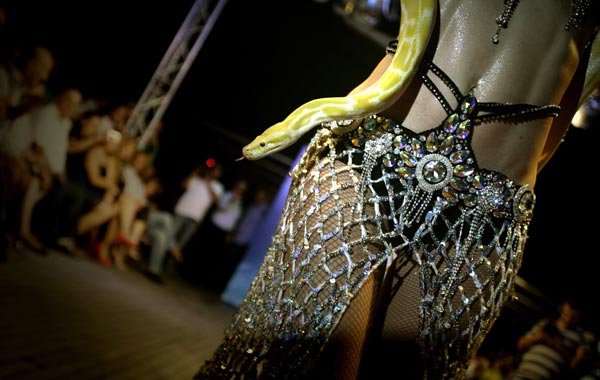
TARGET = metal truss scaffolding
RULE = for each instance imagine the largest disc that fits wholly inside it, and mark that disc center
(172, 69)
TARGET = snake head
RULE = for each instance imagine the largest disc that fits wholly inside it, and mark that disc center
(272, 140)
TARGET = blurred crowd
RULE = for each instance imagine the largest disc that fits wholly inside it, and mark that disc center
(75, 179)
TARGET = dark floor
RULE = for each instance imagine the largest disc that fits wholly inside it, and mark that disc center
(67, 317)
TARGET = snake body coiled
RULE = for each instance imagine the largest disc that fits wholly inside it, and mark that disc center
(417, 19)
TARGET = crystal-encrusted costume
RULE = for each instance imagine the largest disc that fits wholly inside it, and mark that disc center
(367, 195)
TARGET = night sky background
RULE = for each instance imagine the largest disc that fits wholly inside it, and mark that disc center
(261, 60)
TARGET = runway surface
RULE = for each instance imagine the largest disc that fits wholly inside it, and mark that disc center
(68, 317)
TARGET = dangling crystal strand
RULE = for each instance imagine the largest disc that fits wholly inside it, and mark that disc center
(417, 202)
(578, 11)
(487, 200)
(502, 20)
(373, 150)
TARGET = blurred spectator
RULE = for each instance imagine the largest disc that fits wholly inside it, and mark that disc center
(132, 201)
(52, 124)
(115, 116)
(97, 172)
(45, 130)
(238, 240)
(119, 157)
(159, 228)
(225, 215)
(26, 178)
(214, 233)
(555, 348)
(202, 190)
(23, 82)
(594, 371)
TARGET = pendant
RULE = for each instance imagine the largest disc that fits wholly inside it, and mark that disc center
(502, 20)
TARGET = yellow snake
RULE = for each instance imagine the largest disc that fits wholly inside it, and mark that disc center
(417, 18)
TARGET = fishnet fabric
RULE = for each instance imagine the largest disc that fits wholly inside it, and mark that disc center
(368, 202)
(319, 256)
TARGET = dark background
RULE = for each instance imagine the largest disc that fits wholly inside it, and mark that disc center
(261, 60)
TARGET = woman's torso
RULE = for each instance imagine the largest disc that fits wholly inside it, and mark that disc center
(533, 63)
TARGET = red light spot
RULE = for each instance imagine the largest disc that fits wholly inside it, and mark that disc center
(210, 163)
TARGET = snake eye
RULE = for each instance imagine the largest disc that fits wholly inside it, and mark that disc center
(263, 144)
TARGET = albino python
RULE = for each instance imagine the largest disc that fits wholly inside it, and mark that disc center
(416, 24)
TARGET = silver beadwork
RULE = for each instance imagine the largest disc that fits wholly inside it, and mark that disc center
(343, 126)
(373, 150)
(578, 12)
(502, 20)
(434, 171)
(523, 203)
(435, 206)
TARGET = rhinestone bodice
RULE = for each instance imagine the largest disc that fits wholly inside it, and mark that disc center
(368, 192)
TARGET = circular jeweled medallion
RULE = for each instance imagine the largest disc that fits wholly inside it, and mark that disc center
(433, 172)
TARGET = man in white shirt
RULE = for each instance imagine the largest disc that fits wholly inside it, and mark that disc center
(201, 192)
(51, 128)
